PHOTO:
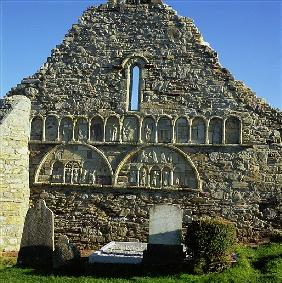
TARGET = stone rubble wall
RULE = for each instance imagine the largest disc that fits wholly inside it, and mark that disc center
(14, 174)
(242, 185)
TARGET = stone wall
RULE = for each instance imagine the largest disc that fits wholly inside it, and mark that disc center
(239, 184)
(14, 174)
(198, 137)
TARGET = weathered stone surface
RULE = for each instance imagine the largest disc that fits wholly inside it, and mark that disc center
(165, 226)
(37, 243)
(197, 138)
(119, 253)
(65, 255)
(14, 174)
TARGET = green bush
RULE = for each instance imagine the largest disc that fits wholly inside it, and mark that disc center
(276, 236)
(211, 243)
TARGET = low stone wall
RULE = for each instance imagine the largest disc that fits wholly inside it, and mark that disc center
(14, 173)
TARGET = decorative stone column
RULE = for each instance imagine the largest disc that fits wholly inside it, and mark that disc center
(207, 124)
(223, 131)
(43, 128)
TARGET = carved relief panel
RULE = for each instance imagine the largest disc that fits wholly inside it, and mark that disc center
(158, 167)
(75, 165)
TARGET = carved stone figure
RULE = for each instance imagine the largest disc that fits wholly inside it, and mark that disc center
(93, 177)
(114, 131)
(163, 158)
(154, 156)
(143, 177)
(144, 157)
(155, 179)
(148, 133)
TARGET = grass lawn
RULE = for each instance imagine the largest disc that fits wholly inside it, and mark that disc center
(262, 264)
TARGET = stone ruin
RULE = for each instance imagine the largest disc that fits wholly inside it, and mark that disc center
(100, 155)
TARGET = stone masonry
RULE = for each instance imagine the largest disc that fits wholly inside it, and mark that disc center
(14, 173)
(197, 138)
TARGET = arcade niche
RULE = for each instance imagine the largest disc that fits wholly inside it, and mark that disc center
(74, 165)
(158, 167)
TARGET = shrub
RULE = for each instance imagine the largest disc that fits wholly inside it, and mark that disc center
(211, 242)
(276, 236)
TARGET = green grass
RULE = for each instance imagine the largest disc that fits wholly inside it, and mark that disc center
(262, 264)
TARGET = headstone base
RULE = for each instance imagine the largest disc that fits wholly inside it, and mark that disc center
(163, 254)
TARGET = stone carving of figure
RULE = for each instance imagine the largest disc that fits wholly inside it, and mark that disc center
(68, 177)
(169, 158)
(114, 133)
(81, 134)
(155, 178)
(177, 181)
(75, 176)
(58, 154)
(128, 133)
(143, 178)
(132, 176)
(163, 158)
(83, 176)
(154, 156)
(144, 157)
(93, 177)
(148, 133)
(166, 178)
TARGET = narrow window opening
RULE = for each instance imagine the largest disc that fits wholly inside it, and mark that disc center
(134, 89)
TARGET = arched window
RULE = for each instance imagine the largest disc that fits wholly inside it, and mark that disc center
(215, 131)
(182, 130)
(36, 129)
(81, 129)
(232, 130)
(66, 128)
(149, 130)
(134, 90)
(198, 130)
(129, 129)
(51, 128)
(112, 129)
(164, 130)
(97, 129)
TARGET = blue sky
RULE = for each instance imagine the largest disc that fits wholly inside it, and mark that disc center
(246, 34)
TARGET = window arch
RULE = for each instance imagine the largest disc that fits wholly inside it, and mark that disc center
(215, 131)
(36, 132)
(198, 130)
(134, 89)
(182, 130)
(164, 130)
(51, 128)
(232, 130)
(97, 129)
(81, 129)
(66, 129)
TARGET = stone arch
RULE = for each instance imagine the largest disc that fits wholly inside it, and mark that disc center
(97, 129)
(81, 130)
(36, 132)
(198, 130)
(233, 130)
(128, 65)
(112, 129)
(130, 128)
(182, 130)
(93, 168)
(149, 129)
(66, 129)
(165, 129)
(215, 130)
(51, 128)
(163, 157)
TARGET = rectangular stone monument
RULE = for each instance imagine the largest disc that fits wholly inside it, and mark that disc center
(165, 229)
(37, 243)
(119, 253)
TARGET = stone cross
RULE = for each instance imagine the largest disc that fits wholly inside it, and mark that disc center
(37, 243)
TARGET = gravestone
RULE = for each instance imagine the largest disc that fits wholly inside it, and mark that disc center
(66, 255)
(165, 229)
(119, 253)
(37, 243)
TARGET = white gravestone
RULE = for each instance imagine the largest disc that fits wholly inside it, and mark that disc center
(165, 225)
